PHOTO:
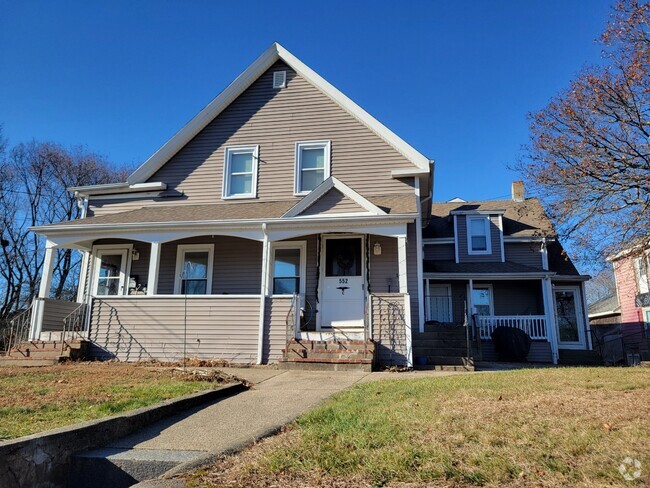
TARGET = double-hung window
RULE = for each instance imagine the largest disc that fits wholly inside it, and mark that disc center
(240, 172)
(641, 272)
(478, 235)
(312, 165)
(288, 268)
(194, 269)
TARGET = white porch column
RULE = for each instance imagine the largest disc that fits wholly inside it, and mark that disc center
(43, 291)
(403, 288)
(549, 313)
(585, 315)
(83, 276)
(154, 268)
(401, 264)
(264, 291)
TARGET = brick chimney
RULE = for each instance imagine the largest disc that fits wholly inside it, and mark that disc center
(518, 191)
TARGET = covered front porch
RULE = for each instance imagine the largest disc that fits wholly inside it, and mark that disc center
(550, 312)
(230, 292)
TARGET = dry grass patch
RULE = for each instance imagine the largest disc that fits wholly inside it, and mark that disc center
(539, 427)
(37, 399)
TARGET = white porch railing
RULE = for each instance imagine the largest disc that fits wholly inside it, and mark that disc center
(533, 325)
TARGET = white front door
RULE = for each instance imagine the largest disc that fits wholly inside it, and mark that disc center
(343, 282)
(570, 319)
(110, 274)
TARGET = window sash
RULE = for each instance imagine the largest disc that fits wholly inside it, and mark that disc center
(479, 235)
(199, 253)
(301, 171)
(278, 278)
(229, 174)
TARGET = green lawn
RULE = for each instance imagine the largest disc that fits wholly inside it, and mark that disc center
(37, 399)
(542, 427)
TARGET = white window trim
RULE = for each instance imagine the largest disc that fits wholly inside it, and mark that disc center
(225, 187)
(300, 245)
(488, 236)
(490, 292)
(297, 173)
(97, 263)
(180, 258)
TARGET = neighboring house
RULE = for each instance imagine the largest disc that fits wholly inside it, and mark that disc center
(284, 222)
(605, 311)
(633, 289)
(502, 260)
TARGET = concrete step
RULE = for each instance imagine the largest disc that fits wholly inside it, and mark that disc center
(117, 468)
(333, 345)
(439, 351)
(446, 367)
(453, 336)
(449, 360)
(324, 366)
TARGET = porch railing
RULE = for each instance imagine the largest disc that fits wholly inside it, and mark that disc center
(293, 319)
(18, 330)
(533, 325)
(74, 324)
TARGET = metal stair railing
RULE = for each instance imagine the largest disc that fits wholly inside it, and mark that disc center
(73, 324)
(19, 329)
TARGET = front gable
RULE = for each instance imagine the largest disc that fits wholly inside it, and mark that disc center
(276, 120)
(333, 202)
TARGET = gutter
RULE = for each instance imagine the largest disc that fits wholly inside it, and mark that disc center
(48, 229)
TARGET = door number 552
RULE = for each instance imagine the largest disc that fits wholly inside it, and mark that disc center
(343, 281)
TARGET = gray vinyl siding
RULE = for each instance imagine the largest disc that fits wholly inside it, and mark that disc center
(334, 202)
(440, 252)
(54, 312)
(275, 328)
(518, 297)
(383, 269)
(389, 328)
(526, 253)
(495, 242)
(236, 269)
(275, 120)
(145, 328)
(540, 352)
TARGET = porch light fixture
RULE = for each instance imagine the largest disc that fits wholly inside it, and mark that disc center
(377, 249)
(135, 255)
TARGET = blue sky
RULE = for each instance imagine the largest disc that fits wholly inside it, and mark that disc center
(454, 79)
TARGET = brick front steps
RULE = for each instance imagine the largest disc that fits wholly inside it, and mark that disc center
(44, 353)
(328, 355)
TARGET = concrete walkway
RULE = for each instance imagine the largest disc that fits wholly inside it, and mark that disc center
(195, 437)
(276, 398)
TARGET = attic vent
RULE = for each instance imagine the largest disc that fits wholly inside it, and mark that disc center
(279, 79)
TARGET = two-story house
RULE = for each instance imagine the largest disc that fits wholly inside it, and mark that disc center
(499, 262)
(285, 222)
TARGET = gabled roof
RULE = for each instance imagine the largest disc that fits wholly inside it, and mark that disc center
(605, 306)
(326, 186)
(526, 218)
(241, 83)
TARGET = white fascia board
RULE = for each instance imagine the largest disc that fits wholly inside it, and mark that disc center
(53, 229)
(603, 314)
(439, 240)
(241, 83)
(527, 239)
(488, 276)
(403, 173)
(558, 277)
(475, 212)
(327, 185)
(116, 188)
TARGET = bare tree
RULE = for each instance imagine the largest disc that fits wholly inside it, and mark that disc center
(589, 156)
(34, 178)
